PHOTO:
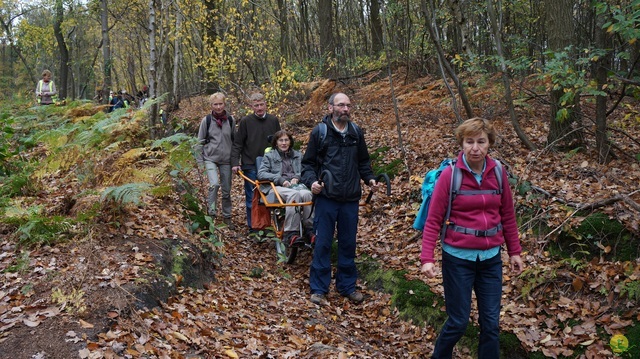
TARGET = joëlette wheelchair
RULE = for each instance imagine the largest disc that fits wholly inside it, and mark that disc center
(277, 208)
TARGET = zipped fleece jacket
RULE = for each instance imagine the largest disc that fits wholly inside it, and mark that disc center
(346, 158)
(218, 150)
(480, 211)
(251, 139)
(271, 168)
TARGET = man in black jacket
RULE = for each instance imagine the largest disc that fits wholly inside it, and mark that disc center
(339, 152)
(250, 141)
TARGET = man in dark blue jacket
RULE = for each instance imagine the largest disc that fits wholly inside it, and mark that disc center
(338, 152)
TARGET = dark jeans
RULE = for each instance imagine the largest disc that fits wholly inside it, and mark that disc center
(248, 191)
(459, 277)
(327, 214)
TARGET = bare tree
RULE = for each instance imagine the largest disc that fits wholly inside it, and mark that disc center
(505, 77)
(106, 51)
(153, 84)
(177, 58)
(600, 73)
(62, 48)
(560, 30)
(375, 26)
(327, 40)
(445, 67)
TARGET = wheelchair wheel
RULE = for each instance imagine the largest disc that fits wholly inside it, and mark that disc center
(284, 252)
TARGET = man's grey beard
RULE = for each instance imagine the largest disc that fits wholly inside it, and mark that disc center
(342, 118)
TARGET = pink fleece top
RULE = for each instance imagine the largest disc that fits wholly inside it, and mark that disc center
(481, 212)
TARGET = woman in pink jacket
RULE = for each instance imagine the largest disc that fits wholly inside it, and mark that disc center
(481, 219)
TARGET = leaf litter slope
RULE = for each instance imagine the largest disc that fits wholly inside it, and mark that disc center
(271, 314)
(245, 315)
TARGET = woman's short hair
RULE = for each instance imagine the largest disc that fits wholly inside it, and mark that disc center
(217, 96)
(277, 135)
(474, 126)
(46, 72)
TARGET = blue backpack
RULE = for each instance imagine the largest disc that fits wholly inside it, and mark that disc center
(429, 183)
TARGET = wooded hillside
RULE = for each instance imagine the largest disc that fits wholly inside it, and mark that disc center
(104, 253)
(106, 249)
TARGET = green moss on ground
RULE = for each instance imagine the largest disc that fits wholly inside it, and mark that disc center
(595, 232)
(633, 335)
(415, 302)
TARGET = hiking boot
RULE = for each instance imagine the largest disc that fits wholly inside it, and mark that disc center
(355, 297)
(292, 239)
(318, 298)
(228, 222)
(310, 236)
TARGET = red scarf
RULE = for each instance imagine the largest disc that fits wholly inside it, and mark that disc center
(220, 118)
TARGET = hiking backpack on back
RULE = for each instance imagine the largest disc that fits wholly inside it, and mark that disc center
(322, 135)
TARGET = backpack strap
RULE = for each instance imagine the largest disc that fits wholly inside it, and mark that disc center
(456, 183)
(498, 173)
(231, 124)
(322, 133)
(206, 136)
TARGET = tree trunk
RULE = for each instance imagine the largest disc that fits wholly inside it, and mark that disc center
(560, 29)
(177, 59)
(393, 91)
(376, 27)
(153, 110)
(8, 32)
(64, 51)
(505, 77)
(430, 25)
(600, 68)
(285, 42)
(461, 22)
(327, 41)
(106, 52)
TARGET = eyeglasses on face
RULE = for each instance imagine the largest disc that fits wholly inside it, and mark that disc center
(343, 105)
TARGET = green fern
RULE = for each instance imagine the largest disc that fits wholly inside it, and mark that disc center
(130, 193)
(171, 141)
(36, 229)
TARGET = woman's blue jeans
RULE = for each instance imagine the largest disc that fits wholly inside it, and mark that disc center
(459, 277)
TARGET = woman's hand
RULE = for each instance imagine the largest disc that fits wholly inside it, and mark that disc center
(290, 183)
(429, 269)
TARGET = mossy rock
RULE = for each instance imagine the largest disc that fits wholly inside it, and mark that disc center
(633, 335)
(414, 301)
(593, 234)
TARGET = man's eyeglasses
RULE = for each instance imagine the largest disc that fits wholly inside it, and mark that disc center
(343, 105)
